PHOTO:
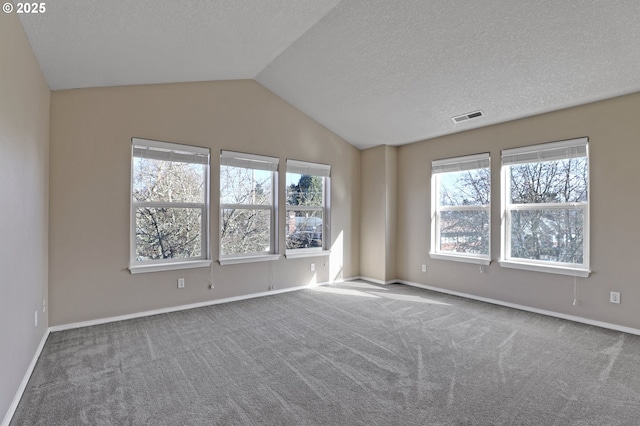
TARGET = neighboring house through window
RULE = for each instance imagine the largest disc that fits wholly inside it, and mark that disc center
(545, 202)
(307, 215)
(461, 209)
(169, 206)
(248, 194)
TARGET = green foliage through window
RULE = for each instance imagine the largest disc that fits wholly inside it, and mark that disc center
(305, 211)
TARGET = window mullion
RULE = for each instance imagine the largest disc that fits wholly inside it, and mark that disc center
(166, 205)
(460, 232)
(478, 207)
(547, 206)
(304, 208)
(251, 232)
(548, 237)
(311, 230)
(246, 207)
(166, 234)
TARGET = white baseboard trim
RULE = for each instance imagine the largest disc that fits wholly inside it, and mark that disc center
(25, 380)
(340, 280)
(23, 384)
(374, 280)
(27, 376)
(189, 306)
(574, 318)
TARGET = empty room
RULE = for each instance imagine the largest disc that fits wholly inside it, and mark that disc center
(319, 212)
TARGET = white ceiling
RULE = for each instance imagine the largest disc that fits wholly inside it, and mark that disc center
(373, 71)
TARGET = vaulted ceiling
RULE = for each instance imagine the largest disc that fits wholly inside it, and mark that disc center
(373, 71)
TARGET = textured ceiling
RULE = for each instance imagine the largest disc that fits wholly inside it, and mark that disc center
(90, 43)
(374, 72)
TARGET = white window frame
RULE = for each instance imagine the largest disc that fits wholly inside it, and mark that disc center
(562, 150)
(255, 162)
(146, 148)
(449, 165)
(323, 171)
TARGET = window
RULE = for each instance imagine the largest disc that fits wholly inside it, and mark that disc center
(545, 200)
(461, 209)
(248, 194)
(169, 206)
(307, 216)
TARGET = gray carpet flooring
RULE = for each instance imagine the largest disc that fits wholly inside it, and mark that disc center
(353, 354)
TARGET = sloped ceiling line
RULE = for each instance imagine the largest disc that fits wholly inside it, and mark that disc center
(372, 71)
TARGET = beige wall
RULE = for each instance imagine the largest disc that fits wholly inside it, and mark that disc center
(391, 207)
(372, 213)
(24, 139)
(613, 128)
(378, 205)
(71, 247)
(91, 132)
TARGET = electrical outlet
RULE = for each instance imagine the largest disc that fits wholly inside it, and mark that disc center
(313, 267)
(36, 324)
(424, 268)
(614, 297)
(180, 282)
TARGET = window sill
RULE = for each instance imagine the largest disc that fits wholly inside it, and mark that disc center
(248, 259)
(461, 258)
(300, 253)
(157, 267)
(550, 269)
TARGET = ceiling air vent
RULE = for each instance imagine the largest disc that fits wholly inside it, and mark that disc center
(469, 116)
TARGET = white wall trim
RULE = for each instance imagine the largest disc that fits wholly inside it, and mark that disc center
(27, 376)
(461, 258)
(300, 253)
(374, 280)
(189, 306)
(23, 385)
(550, 269)
(248, 259)
(574, 318)
(170, 266)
